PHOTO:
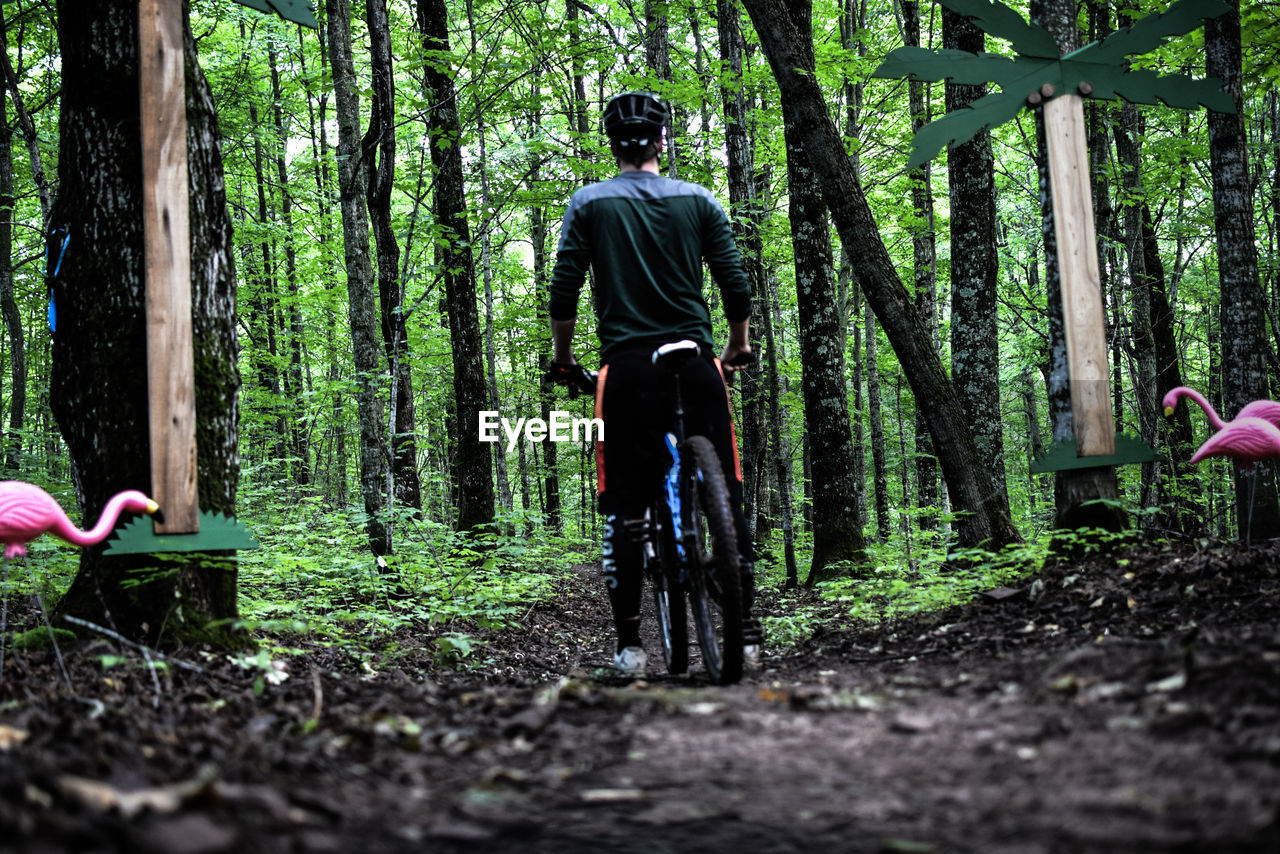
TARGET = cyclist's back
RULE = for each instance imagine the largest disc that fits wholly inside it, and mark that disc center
(646, 237)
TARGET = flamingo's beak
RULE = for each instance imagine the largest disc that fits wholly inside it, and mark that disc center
(1168, 411)
(152, 507)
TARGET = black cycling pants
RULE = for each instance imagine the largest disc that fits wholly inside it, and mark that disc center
(636, 401)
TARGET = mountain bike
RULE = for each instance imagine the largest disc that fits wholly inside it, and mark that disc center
(688, 538)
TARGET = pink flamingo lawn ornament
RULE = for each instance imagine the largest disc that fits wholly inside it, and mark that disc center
(26, 512)
(1267, 410)
(1247, 440)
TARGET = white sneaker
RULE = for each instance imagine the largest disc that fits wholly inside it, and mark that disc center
(751, 656)
(630, 661)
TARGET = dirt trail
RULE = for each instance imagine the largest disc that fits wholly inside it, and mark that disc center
(1132, 704)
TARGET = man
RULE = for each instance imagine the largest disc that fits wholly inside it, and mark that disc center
(646, 238)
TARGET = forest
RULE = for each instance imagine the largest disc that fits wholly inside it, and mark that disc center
(970, 644)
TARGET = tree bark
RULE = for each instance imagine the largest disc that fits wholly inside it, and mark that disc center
(975, 352)
(379, 151)
(12, 451)
(1186, 512)
(985, 517)
(361, 306)
(745, 212)
(98, 395)
(1244, 340)
(473, 470)
(837, 529)
(925, 257)
(1129, 152)
(295, 405)
(879, 470)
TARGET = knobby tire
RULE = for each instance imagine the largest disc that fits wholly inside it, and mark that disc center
(668, 595)
(715, 582)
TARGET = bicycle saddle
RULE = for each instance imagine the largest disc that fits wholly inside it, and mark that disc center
(675, 354)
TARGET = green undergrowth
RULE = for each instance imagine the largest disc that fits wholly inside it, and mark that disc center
(314, 581)
(894, 585)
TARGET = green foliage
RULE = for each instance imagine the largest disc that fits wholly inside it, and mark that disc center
(894, 590)
(313, 580)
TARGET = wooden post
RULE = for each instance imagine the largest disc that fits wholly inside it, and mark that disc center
(1081, 283)
(170, 356)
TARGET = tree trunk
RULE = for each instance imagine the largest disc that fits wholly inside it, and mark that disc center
(837, 530)
(97, 393)
(473, 469)
(985, 517)
(505, 498)
(745, 215)
(336, 470)
(12, 451)
(975, 354)
(1244, 341)
(294, 403)
(1185, 512)
(361, 306)
(657, 51)
(925, 256)
(880, 473)
(779, 438)
(538, 235)
(378, 152)
(1129, 152)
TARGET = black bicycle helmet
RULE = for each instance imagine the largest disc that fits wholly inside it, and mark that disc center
(634, 117)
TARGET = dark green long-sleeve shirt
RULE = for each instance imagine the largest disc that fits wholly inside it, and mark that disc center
(647, 238)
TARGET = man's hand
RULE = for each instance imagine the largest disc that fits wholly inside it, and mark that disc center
(737, 353)
(735, 358)
(571, 375)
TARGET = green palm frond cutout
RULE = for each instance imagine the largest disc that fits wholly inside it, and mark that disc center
(997, 19)
(298, 11)
(1149, 33)
(1100, 65)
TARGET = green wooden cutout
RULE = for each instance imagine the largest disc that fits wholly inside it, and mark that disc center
(1063, 456)
(298, 11)
(1100, 65)
(217, 533)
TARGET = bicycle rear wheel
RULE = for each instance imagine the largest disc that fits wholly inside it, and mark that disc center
(668, 595)
(711, 544)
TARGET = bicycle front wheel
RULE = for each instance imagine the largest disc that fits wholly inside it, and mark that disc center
(711, 546)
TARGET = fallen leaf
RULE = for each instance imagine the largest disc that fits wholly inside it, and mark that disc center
(10, 736)
(102, 797)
